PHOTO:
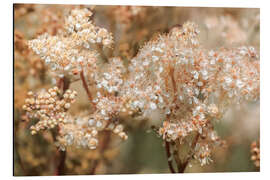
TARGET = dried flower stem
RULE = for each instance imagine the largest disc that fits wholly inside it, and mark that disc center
(191, 153)
(176, 157)
(173, 82)
(61, 166)
(175, 152)
(60, 157)
(63, 82)
(85, 86)
(169, 157)
(180, 166)
(60, 170)
(93, 169)
(59, 83)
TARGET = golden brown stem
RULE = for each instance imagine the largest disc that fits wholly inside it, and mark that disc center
(176, 157)
(174, 84)
(60, 169)
(85, 86)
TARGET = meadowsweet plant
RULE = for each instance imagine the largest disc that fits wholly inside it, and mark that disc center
(191, 88)
(75, 54)
(180, 87)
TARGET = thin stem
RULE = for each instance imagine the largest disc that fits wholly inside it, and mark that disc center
(176, 157)
(61, 165)
(94, 167)
(174, 85)
(66, 83)
(59, 83)
(60, 169)
(173, 80)
(175, 152)
(85, 86)
(169, 157)
(60, 156)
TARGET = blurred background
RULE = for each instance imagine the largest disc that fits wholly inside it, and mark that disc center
(143, 152)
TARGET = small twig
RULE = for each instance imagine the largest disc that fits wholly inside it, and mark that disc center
(61, 166)
(176, 157)
(94, 167)
(169, 157)
(85, 86)
(173, 80)
(174, 86)
(60, 169)
(59, 83)
(66, 83)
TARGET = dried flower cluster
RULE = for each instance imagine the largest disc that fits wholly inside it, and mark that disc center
(72, 53)
(82, 132)
(190, 87)
(68, 52)
(84, 31)
(48, 108)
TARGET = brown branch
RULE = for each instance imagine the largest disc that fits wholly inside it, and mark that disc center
(60, 156)
(85, 86)
(66, 83)
(173, 80)
(60, 169)
(175, 151)
(94, 167)
(171, 73)
(176, 157)
(169, 157)
(59, 83)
